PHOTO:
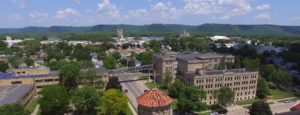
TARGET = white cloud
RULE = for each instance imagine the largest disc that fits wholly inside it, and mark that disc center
(77, 2)
(38, 14)
(64, 14)
(262, 16)
(15, 17)
(106, 9)
(234, 7)
(263, 7)
(20, 3)
(160, 6)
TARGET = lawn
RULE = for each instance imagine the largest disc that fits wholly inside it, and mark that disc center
(207, 113)
(32, 105)
(144, 78)
(280, 94)
(150, 85)
(250, 101)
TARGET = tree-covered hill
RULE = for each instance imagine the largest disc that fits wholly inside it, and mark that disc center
(208, 28)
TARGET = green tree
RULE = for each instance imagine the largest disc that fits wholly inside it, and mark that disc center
(28, 61)
(260, 108)
(86, 64)
(52, 103)
(113, 102)
(252, 64)
(283, 78)
(262, 88)
(69, 75)
(145, 57)
(85, 99)
(225, 96)
(188, 100)
(268, 72)
(117, 55)
(91, 74)
(109, 62)
(13, 109)
(174, 88)
(155, 45)
(3, 66)
(113, 83)
(15, 61)
(167, 79)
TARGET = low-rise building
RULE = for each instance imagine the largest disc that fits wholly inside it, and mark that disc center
(21, 94)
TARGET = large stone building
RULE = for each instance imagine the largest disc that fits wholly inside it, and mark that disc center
(200, 70)
(243, 82)
(154, 102)
(187, 61)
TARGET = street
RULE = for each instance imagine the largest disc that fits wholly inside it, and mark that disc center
(135, 88)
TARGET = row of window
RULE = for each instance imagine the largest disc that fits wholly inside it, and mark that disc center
(246, 93)
(45, 80)
(226, 79)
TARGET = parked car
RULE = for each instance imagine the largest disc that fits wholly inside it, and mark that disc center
(126, 90)
(290, 100)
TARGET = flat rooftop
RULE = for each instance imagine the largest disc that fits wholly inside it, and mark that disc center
(11, 94)
(192, 56)
(12, 75)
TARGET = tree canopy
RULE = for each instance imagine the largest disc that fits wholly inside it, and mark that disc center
(3, 66)
(69, 75)
(109, 62)
(52, 103)
(188, 100)
(13, 109)
(113, 83)
(260, 108)
(225, 96)
(85, 99)
(113, 102)
(252, 64)
(262, 88)
(174, 88)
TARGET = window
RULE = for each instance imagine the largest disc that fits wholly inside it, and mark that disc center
(39, 87)
(16, 82)
(56, 79)
(39, 81)
(48, 80)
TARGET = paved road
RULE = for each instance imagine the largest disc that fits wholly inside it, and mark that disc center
(135, 88)
(275, 108)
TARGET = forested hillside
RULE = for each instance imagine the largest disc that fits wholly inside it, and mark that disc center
(207, 28)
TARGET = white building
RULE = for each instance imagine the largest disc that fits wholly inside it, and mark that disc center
(11, 42)
(215, 38)
(83, 43)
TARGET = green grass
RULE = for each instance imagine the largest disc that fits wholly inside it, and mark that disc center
(144, 78)
(207, 113)
(150, 85)
(32, 105)
(271, 103)
(280, 94)
(250, 101)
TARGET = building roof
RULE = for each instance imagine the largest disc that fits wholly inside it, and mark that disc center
(11, 94)
(193, 56)
(12, 75)
(154, 98)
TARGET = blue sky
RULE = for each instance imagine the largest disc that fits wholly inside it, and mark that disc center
(22, 13)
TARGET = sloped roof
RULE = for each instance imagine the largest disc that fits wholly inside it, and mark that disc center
(297, 106)
(154, 98)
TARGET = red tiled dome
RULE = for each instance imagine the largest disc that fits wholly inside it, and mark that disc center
(154, 98)
(297, 106)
